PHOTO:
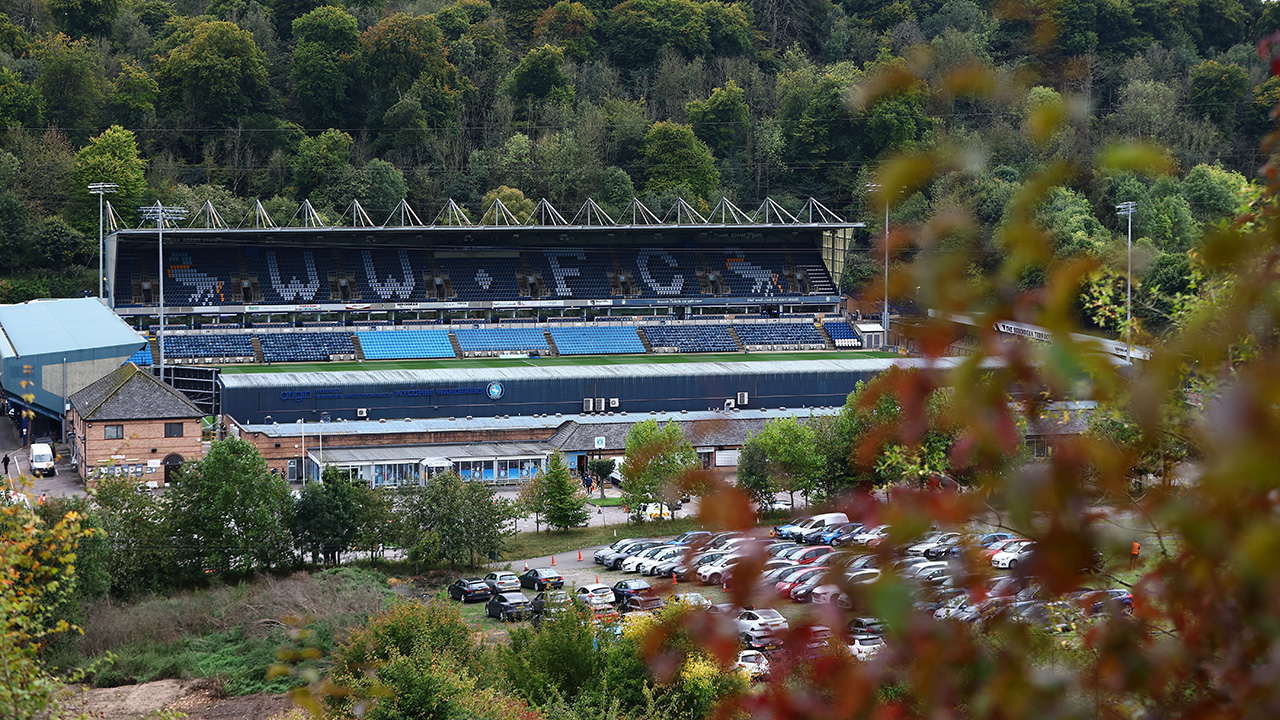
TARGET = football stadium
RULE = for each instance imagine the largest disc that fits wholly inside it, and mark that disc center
(542, 318)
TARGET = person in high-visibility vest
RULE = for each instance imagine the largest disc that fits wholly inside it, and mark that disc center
(1133, 555)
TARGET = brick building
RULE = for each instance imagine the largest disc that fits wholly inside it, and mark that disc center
(128, 423)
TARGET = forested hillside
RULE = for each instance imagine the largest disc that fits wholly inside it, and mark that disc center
(429, 100)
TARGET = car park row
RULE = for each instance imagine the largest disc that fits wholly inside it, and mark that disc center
(822, 560)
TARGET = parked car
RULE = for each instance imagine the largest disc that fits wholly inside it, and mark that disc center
(999, 546)
(1013, 555)
(726, 577)
(40, 459)
(509, 607)
(501, 581)
(631, 564)
(820, 524)
(784, 530)
(760, 629)
(942, 545)
(865, 646)
(594, 593)
(541, 579)
(803, 592)
(550, 601)
(827, 535)
(713, 572)
(989, 539)
(650, 566)
(604, 612)
(813, 555)
(865, 576)
(641, 603)
(871, 536)
(624, 589)
(468, 589)
(693, 537)
(683, 570)
(787, 582)
(776, 549)
(845, 534)
(652, 511)
(754, 663)
(613, 560)
(1099, 602)
(924, 543)
(867, 625)
(692, 599)
(617, 546)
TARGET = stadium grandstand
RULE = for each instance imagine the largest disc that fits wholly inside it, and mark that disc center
(308, 292)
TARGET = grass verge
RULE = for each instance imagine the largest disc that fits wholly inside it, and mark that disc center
(605, 502)
(532, 545)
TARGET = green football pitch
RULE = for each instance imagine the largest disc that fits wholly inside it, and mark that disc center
(455, 363)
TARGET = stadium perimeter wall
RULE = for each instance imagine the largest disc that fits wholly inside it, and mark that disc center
(524, 391)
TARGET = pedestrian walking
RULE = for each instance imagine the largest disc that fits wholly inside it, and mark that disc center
(5, 462)
(1133, 555)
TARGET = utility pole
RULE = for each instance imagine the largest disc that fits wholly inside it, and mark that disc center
(1128, 209)
(160, 213)
(884, 318)
(101, 189)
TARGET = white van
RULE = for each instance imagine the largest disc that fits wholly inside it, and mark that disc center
(826, 521)
(41, 460)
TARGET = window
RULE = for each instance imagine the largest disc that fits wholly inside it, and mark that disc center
(173, 429)
(113, 432)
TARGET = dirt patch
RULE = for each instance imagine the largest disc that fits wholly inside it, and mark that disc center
(198, 699)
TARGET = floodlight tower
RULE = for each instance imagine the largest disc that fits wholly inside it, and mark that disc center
(160, 213)
(1127, 209)
(101, 189)
(884, 320)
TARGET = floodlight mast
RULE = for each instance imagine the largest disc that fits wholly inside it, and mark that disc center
(1127, 209)
(101, 189)
(160, 213)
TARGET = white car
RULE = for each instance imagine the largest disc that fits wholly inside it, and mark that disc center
(698, 601)
(926, 569)
(872, 535)
(762, 621)
(502, 581)
(930, 541)
(595, 593)
(1013, 555)
(632, 563)
(754, 663)
(865, 646)
(712, 573)
(858, 577)
(647, 566)
(952, 606)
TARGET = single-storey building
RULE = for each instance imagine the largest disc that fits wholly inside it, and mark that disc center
(128, 423)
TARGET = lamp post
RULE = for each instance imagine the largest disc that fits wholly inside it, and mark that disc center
(884, 319)
(303, 426)
(160, 213)
(101, 189)
(1128, 209)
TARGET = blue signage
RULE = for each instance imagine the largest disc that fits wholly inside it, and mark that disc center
(494, 390)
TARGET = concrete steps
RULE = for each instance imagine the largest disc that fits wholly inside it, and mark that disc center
(551, 343)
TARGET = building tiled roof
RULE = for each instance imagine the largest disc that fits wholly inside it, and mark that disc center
(130, 393)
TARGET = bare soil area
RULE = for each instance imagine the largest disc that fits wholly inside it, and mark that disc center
(197, 699)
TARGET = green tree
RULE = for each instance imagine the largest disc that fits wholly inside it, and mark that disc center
(113, 157)
(520, 16)
(81, 18)
(532, 498)
(571, 26)
(229, 513)
(602, 469)
(465, 522)
(566, 507)
(21, 105)
(753, 475)
(674, 156)
(71, 82)
(386, 187)
(637, 30)
(540, 75)
(1217, 92)
(37, 565)
(141, 559)
(790, 455)
(405, 55)
(58, 245)
(326, 66)
(321, 160)
(215, 78)
(519, 205)
(722, 120)
(132, 96)
(326, 518)
(1214, 193)
(658, 458)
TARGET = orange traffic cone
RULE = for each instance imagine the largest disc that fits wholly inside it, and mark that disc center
(597, 579)
(675, 579)
(553, 561)
(526, 564)
(579, 556)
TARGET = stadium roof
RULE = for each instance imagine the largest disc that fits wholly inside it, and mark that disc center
(56, 326)
(267, 381)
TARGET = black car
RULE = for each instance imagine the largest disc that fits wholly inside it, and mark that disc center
(468, 589)
(509, 607)
(863, 625)
(552, 600)
(642, 603)
(541, 579)
(624, 589)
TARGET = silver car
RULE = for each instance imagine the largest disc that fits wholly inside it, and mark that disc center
(502, 581)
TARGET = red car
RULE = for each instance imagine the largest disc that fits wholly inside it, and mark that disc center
(991, 550)
(784, 586)
(813, 554)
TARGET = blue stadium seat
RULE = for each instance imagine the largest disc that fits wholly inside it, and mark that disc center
(779, 335)
(842, 334)
(142, 358)
(596, 340)
(501, 340)
(405, 344)
(213, 345)
(691, 338)
(305, 347)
